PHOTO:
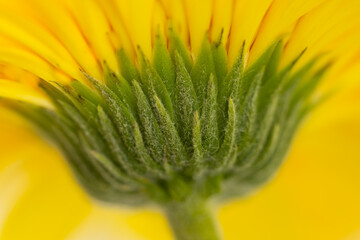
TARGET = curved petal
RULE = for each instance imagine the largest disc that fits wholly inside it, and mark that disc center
(198, 15)
(321, 33)
(95, 28)
(176, 9)
(221, 19)
(136, 17)
(283, 14)
(18, 91)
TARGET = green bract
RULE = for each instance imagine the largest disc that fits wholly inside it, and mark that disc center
(175, 127)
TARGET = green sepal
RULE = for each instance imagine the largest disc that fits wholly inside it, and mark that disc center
(202, 69)
(154, 85)
(272, 66)
(308, 86)
(252, 145)
(230, 87)
(247, 110)
(91, 134)
(273, 85)
(163, 64)
(85, 92)
(185, 101)
(54, 94)
(115, 143)
(175, 150)
(151, 167)
(197, 159)
(122, 117)
(220, 59)
(209, 124)
(82, 104)
(68, 141)
(223, 156)
(252, 70)
(121, 87)
(127, 69)
(150, 127)
(177, 44)
(101, 165)
(124, 182)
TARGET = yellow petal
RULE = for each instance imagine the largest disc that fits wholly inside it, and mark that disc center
(321, 33)
(18, 91)
(177, 14)
(95, 28)
(221, 19)
(198, 15)
(247, 17)
(159, 22)
(119, 36)
(14, 54)
(33, 36)
(136, 17)
(67, 31)
(280, 19)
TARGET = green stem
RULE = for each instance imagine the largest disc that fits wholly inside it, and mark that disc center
(192, 219)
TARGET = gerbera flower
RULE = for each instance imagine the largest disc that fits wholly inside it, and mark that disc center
(176, 103)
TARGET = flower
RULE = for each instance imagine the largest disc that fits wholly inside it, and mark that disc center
(54, 39)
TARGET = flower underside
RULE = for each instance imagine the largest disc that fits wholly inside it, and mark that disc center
(171, 127)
